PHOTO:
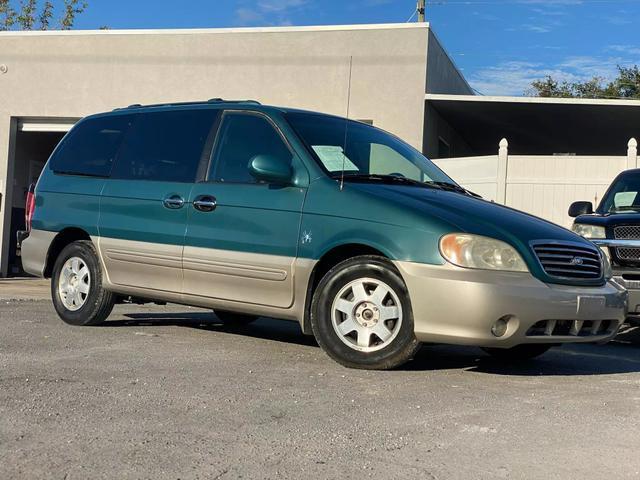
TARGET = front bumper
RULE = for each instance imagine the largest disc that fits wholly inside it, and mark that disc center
(459, 306)
(626, 278)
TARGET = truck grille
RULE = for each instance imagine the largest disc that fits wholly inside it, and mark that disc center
(627, 232)
(569, 261)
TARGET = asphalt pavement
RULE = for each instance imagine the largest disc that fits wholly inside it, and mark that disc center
(167, 392)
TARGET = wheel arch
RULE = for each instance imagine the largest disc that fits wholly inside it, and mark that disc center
(60, 241)
(329, 259)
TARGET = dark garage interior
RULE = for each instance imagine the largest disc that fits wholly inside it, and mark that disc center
(32, 150)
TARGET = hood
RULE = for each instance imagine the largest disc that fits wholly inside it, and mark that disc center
(471, 215)
(610, 219)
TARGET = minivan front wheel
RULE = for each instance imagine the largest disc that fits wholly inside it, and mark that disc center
(361, 315)
(76, 286)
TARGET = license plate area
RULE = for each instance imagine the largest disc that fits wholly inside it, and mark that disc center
(590, 307)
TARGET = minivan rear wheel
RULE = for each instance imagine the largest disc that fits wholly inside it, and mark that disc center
(361, 315)
(76, 286)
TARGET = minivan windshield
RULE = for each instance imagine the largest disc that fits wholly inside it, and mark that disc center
(623, 195)
(365, 152)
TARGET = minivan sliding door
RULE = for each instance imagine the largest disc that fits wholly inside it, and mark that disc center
(143, 209)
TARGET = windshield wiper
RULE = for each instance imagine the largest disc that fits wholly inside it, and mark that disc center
(452, 187)
(384, 179)
(633, 208)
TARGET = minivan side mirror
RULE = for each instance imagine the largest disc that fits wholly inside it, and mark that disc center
(270, 169)
(580, 208)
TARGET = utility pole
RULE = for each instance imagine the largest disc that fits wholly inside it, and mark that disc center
(421, 10)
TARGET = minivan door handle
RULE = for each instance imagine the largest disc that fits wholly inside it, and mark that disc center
(205, 203)
(173, 202)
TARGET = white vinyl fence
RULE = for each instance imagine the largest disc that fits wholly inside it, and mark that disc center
(543, 185)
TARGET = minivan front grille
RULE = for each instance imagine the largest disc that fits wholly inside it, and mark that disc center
(569, 261)
(627, 232)
(572, 328)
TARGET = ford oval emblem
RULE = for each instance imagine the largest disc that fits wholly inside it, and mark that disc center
(576, 261)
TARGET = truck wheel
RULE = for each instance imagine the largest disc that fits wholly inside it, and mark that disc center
(76, 286)
(519, 353)
(361, 315)
(233, 318)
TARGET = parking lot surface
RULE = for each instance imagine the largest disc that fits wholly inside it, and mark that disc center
(166, 392)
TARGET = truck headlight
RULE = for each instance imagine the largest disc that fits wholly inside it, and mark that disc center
(475, 251)
(589, 231)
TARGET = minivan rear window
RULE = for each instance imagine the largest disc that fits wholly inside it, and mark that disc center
(91, 147)
(166, 146)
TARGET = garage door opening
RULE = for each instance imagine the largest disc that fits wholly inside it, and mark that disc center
(34, 143)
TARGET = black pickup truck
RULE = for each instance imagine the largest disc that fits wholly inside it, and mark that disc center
(615, 227)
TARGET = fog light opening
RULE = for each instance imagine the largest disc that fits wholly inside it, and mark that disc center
(499, 329)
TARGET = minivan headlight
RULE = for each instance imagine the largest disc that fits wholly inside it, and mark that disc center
(475, 251)
(607, 270)
(589, 231)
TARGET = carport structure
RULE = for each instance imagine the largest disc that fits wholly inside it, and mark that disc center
(534, 154)
(533, 126)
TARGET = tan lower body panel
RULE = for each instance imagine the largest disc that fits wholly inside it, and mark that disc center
(141, 264)
(35, 249)
(239, 276)
(265, 285)
(459, 306)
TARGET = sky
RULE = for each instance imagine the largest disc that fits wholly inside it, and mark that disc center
(501, 46)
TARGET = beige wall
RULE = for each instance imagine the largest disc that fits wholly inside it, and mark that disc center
(55, 74)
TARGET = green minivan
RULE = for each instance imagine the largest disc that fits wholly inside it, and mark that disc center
(255, 210)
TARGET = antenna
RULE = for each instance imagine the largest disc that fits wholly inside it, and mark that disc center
(346, 124)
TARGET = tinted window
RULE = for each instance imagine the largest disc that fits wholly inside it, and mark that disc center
(91, 146)
(165, 146)
(241, 138)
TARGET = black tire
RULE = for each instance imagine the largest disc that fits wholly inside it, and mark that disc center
(399, 350)
(98, 303)
(519, 353)
(633, 321)
(233, 318)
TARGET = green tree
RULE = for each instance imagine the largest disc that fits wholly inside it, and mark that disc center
(625, 85)
(39, 14)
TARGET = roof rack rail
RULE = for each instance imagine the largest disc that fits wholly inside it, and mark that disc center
(222, 100)
(178, 104)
